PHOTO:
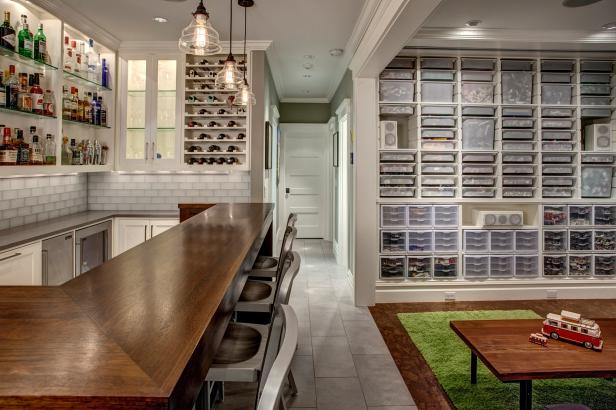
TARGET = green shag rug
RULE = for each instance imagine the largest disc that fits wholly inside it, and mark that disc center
(449, 359)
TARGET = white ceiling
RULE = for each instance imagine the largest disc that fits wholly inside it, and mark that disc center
(296, 27)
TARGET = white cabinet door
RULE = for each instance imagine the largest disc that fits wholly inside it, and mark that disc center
(131, 232)
(22, 266)
(158, 226)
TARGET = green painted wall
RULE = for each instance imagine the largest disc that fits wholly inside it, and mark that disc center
(306, 113)
(345, 90)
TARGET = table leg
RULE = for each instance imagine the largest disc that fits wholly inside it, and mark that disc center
(473, 368)
(526, 395)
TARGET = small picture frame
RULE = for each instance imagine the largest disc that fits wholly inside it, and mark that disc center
(268, 145)
(336, 149)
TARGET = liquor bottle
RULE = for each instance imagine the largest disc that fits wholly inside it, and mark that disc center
(2, 90)
(93, 105)
(36, 152)
(68, 56)
(105, 74)
(25, 39)
(79, 108)
(36, 94)
(7, 33)
(12, 88)
(40, 45)
(50, 150)
(96, 109)
(23, 149)
(66, 154)
(8, 153)
(32, 134)
(91, 61)
(49, 103)
(75, 159)
(87, 107)
(76, 57)
(84, 59)
(74, 103)
(103, 112)
(24, 98)
(66, 104)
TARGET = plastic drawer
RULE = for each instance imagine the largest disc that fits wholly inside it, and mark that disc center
(517, 112)
(605, 240)
(400, 180)
(595, 89)
(597, 158)
(438, 169)
(526, 266)
(558, 65)
(555, 240)
(557, 192)
(439, 75)
(518, 135)
(596, 181)
(478, 192)
(596, 112)
(554, 215)
(438, 122)
(501, 241)
(518, 192)
(562, 124)
(605, 265)
(445, 215)
(557, 146)
(420, 241)
(476, 266)
(518, 146)
(445, 241)
(438, 192)
(396, 91)
(596, 100)
(478, 64)
(564, 78)
(446, 266)
(557, 112)
(434, 157)
(394, 168)
(478, 169)
(557, 135)
(393, 241)
(477, 93)
(397, 192)
(580, 265)
(427, 180)
(438, 145)
(580, 240)
(595, 78)
(518, 169)
(580, 215)
(480, 76)
(393, 267)
(596, 66)
(420, 215)
(527, 241)
(419, 267)
(604, 215)
(397, 156)
(555, 265)
(548, 158)
(478, 133)
(558, 170)
(446, 63)
(558, 181)
(478, 111)
(517, 87)
(393, 216)
(438, 133)
(396, 74)
(518, 123)
(517, 65)
(518, 181)
(476, 241)
(396, 109)
(501, 266)
(518, 158)
(402, 62)
(478, 181)
(556, 94)
(438, 110)
(479, 157)
(437, 92)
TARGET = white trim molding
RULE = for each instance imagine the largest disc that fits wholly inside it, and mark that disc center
(305, 100)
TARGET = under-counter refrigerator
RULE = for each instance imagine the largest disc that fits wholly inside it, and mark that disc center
(92, 247)
(58, 260)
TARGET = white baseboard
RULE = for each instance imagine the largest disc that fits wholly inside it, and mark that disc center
(497, 290)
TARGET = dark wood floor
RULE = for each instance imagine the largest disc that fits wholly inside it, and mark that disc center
(420, 380)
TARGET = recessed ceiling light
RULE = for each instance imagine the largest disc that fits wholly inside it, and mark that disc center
(609, 26)
(160, 19)
(579, 3)
(336, 52)
(308, 66)
(472, 23)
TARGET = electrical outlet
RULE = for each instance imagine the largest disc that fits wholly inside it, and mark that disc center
(552, 294)
(450, 296)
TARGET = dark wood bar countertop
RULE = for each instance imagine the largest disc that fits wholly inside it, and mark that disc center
(139, 331)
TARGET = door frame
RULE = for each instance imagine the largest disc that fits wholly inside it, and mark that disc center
(325, 178)
(341, 248)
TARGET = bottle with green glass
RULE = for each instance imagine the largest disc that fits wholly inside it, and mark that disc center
(25, 39)
(40, 45)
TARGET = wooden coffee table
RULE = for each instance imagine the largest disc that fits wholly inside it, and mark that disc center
(503, 346)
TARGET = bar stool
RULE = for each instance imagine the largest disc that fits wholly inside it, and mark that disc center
(266, 265)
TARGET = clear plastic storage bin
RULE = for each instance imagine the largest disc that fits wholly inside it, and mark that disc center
(476, 266)
(394, 168)
(420, 215)
(438, 75)
(476, 241)
(396, 192)
(428, 145)
(437, 92)
(420, 241)
(558, 181)
(445, 215)
(389, 109)
(554, 215)
(478, 93)
(557, 112)
(509, 134)
(397, 180)
(419, 267)
(431, 133)
(580, 265)
(441, 63)
(476, 111)
(393, 216)
(501, 266)
(605, 215)
(580, 215)
(557, 123)
(518, 169)
(478, 169)
(518, 181)
(445, 241)
(397, 74)
(446, 266)
(558, 170)
(396, 91)
(501, 241)
(555, 240)
(550, 192)
(479, 64)
(595, 78)
(392, 267)
(438, 157)
(557, 135)
(478, 192)
(558, 65)
(518, 192)
(580, 240)
(527, 241)
(526, 266)
(605, 265)
(586, 100)
(605, 240)
(438, 110)
(478, 133)
(556, 94)
(597, 181)
(517, 112)
(596, 112)
(479, 157)
(525, 158)
(517, 87)
(596, 66)
(393, 241)
(548, 158)
(564, 78)
(397, 156)
(557, 146)
(555, 265)
(443, 192)
(431, 180)
(595, 89)
(478, 76)
(438, 122)
(518, 146)
(597, 158)
(518, 122)
(438, 169)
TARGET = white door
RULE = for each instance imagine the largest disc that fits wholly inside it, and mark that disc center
(305, 176)
(162, 225)
(22, 266)
(130, 233)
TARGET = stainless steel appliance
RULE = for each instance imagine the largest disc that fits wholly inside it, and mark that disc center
(58, 260)
(92, 247)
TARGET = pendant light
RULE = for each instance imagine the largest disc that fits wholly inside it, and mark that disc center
(229, 77)
(199, 37)
(245, 96)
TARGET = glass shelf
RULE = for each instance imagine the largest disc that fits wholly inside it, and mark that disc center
(76, 78)
(85, 124)
(18, 58)
(27, 113)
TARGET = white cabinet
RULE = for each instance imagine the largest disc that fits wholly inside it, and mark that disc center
(22, 266)
(131, 232)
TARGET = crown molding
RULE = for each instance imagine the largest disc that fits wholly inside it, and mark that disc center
(275, 66)
(172, 46)
(321, 100)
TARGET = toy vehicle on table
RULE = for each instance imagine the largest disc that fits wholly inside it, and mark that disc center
(538, 339)
(572, 327)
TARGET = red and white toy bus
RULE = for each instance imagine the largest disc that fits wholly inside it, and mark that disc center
(572, 327)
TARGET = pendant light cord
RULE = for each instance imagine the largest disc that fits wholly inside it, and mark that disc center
(231, 28)
(245, 56)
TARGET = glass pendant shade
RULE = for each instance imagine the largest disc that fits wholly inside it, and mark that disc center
(245, 96)
(229, 78)
(200, 38)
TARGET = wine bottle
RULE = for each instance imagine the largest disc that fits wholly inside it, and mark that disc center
(40, 45)
(7, 33)
(25, 39)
